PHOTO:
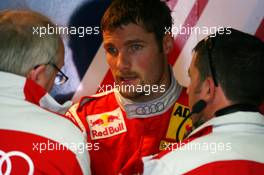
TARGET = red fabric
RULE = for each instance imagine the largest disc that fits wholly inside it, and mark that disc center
(33, 92)
(203, 132)
(227, 163)
(232, 167)
(122, 153)
(53, 162)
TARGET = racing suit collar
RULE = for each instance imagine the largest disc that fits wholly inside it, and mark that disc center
(15, 86)
(153, 107)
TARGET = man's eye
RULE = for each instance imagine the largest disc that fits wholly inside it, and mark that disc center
(111, 50)
(135, 47)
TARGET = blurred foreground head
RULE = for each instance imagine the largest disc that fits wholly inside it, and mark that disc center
(24, 52)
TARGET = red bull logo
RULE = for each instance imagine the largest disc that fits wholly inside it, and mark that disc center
(104, 120)
(112, 118)
(106, 124)
(97, 122)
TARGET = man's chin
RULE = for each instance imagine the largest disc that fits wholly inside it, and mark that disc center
(131, 95)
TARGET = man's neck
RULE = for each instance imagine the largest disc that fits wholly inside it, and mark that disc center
(219, 102)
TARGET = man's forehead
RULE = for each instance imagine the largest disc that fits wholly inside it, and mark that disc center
(126, 35)
(124, 25)
(129, 28)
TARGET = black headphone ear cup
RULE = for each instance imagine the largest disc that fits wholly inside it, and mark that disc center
(197, 108)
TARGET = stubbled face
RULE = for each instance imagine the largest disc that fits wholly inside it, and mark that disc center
(134, 58)
(195, 87)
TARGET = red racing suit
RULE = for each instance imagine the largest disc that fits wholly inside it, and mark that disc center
(126, 131)
(228, 144)
(34, 140)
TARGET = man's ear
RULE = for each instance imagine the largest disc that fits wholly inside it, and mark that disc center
(37, 74)
(208, 89)
(167, 43)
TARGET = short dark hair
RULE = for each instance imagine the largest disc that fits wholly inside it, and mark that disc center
(237, 60)
(154, 15)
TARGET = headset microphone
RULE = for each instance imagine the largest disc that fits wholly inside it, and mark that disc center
(197, 107)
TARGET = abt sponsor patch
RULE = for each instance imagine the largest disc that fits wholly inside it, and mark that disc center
(178, 114)
(106, 124)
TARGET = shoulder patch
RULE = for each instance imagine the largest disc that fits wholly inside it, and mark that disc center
(106, 124)
(178, 114)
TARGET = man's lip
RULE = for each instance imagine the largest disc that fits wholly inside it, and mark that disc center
(128, 78)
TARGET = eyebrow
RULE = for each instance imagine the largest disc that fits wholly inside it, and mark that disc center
(107, 45)
(128, 42)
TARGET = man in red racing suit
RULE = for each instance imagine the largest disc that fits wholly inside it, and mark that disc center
(141, 115)
(126, 131)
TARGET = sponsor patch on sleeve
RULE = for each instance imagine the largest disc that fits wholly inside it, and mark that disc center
(106, 124)
(177, 116)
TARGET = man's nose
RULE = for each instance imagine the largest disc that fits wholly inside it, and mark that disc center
(123, 62)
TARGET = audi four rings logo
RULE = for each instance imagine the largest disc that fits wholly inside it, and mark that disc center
(151, 109)
(5, 158)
